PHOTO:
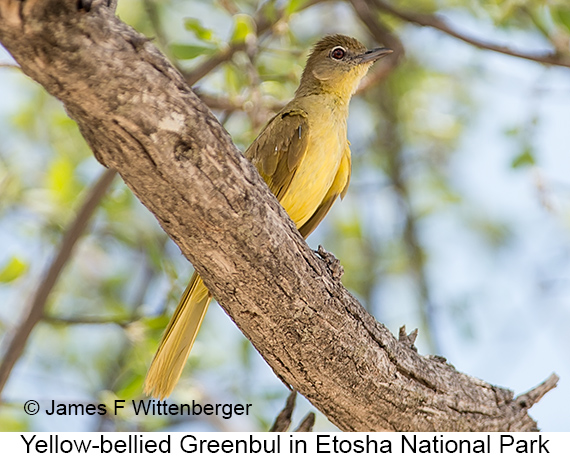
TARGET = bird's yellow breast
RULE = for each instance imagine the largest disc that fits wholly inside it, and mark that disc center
(317, 172)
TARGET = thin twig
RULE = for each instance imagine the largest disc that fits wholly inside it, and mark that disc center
(378, 30)
(56, 320)
(430, 20)
(35, 309)
(383, 36)
(263, 25)
(192, 77)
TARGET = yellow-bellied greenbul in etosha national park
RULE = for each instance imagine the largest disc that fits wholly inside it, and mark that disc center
(304, 157)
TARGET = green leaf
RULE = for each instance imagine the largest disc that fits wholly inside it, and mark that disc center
(562, 15)
(13, 270)
(155, 323)
(513, 131)
(10, 422)
(195, 25)
(190, 51)
(243, 26)
(232, 80)
(130, 385)
(294, 5)
(524, 159)
(60, 178)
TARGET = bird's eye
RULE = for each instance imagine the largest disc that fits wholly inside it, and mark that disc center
(338, 53)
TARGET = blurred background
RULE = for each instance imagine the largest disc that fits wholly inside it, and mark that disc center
(456, 222)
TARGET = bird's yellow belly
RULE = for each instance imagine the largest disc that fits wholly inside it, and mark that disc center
(314, 177)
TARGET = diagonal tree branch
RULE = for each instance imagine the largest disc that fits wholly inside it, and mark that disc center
(35, 309)
(264, 24)
(429, 20)
(140, 117)
(396, 173)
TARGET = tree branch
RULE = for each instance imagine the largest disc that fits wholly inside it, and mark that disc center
(35, 309)
(87, 321)
(263, 25)
(429, 20)
(141, 118)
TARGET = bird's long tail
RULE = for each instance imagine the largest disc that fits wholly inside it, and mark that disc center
(177, 340)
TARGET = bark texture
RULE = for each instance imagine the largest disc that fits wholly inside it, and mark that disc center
(140, 118)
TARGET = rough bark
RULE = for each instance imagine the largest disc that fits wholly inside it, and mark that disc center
(139, 116)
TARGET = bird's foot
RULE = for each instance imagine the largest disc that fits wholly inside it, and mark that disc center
(332, 262)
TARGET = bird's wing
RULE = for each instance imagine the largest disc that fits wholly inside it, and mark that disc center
(280, 148)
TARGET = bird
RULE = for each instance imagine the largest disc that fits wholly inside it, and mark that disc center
(303, 155)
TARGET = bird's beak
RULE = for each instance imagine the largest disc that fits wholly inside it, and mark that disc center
(373, 55)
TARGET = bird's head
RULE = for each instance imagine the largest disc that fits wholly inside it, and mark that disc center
(336, 65)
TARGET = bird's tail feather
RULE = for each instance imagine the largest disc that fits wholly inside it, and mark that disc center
(177, 340)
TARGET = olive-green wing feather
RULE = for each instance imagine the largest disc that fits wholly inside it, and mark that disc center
(279, 149)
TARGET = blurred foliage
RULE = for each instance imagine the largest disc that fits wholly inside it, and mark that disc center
(13, 269)
(408, 132)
